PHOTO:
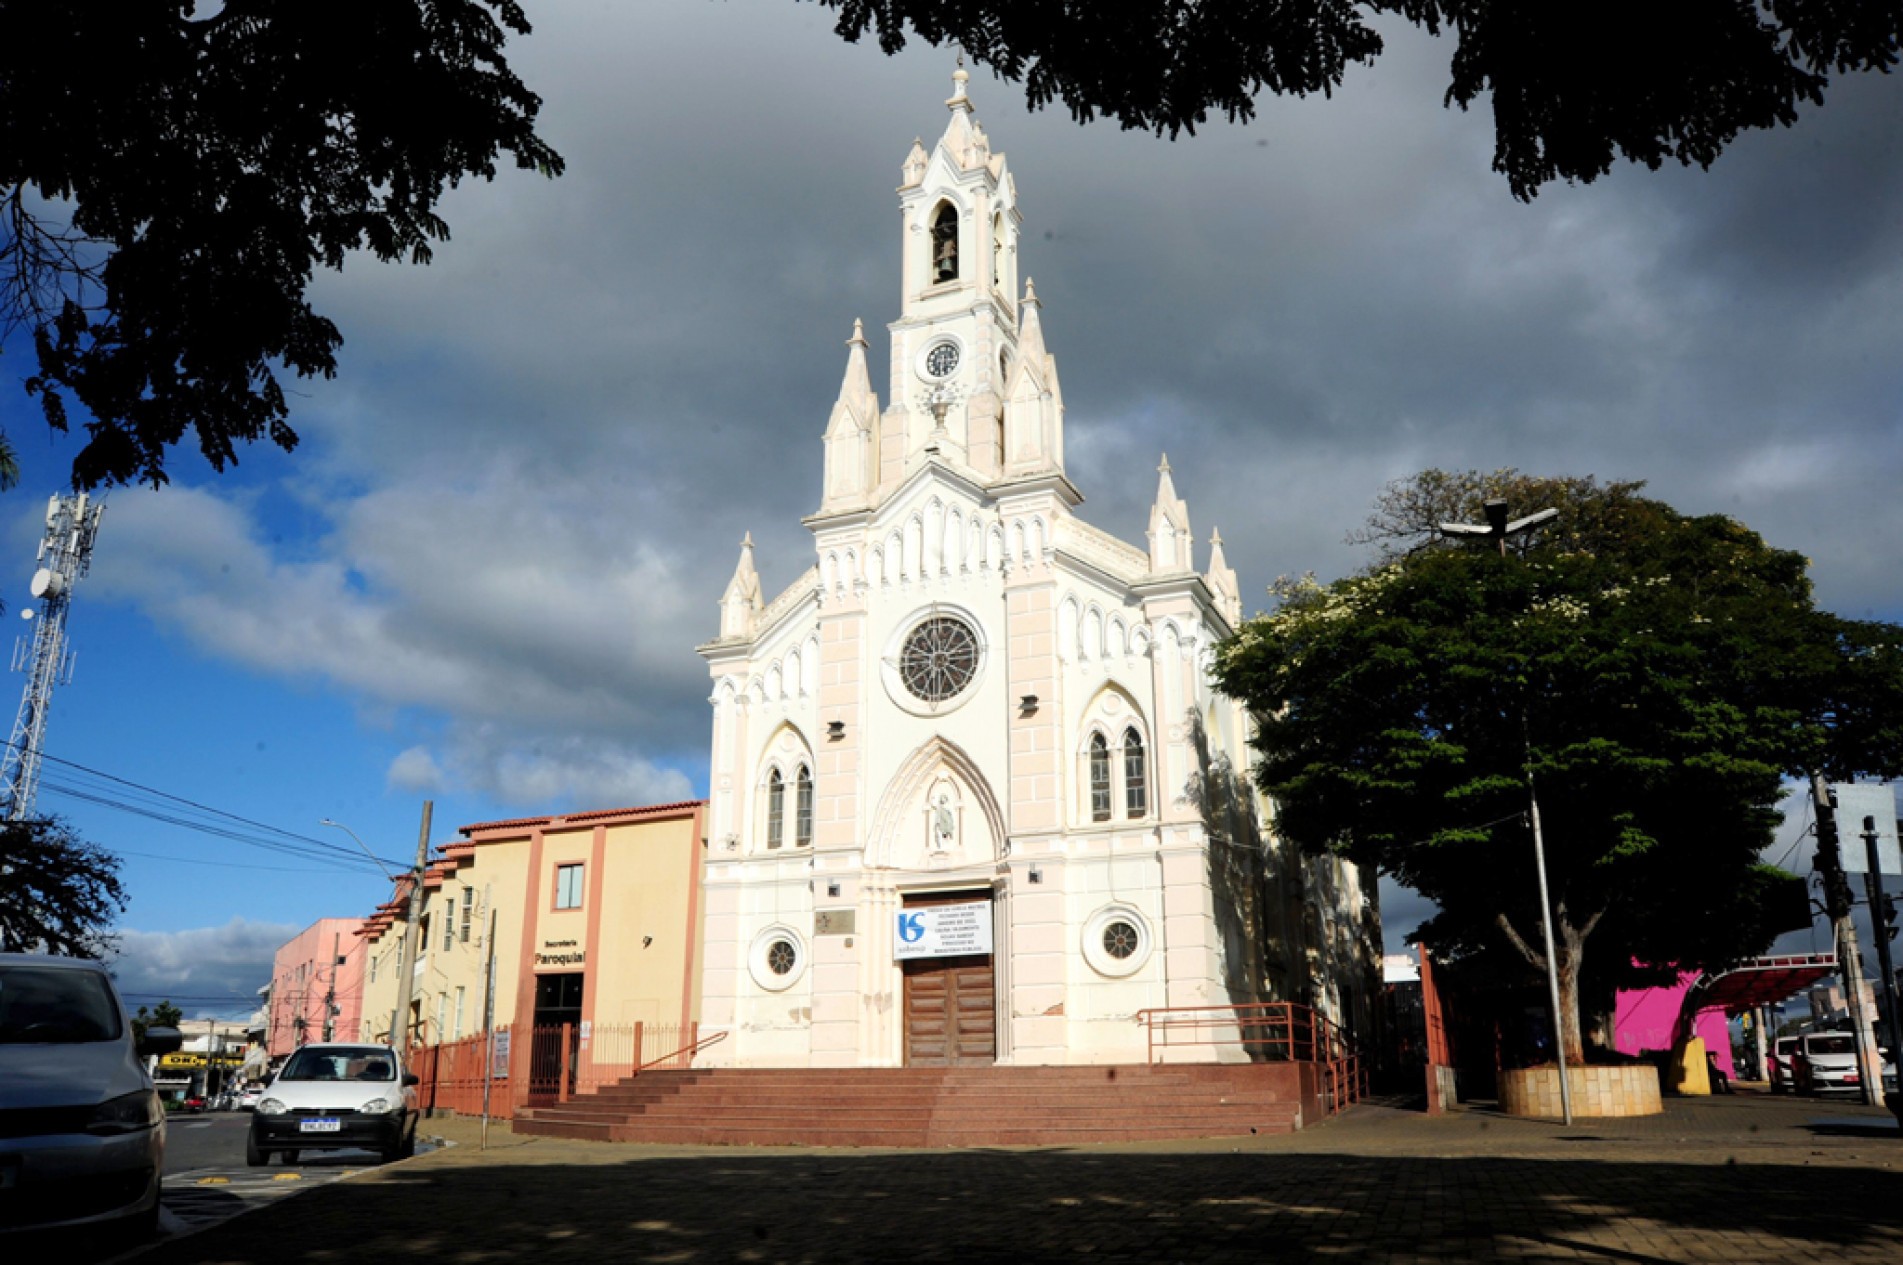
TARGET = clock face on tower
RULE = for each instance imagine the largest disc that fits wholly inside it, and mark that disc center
(941, 360)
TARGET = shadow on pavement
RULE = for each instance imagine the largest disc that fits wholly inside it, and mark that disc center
(819, 1206)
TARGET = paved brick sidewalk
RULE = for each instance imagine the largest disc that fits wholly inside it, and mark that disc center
(1741, 1179)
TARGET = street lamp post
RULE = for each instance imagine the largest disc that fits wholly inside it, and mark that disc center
(1497, 528)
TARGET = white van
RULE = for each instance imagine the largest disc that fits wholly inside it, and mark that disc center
(1827, 1064)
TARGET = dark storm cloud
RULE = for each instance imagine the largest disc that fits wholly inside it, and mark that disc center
(544, 448)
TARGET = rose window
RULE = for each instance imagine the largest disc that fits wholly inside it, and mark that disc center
(1120, 940)
(939, 659)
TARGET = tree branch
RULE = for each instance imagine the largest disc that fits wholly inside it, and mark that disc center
(1525, 949)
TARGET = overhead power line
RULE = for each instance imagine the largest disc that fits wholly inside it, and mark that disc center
(138, 799)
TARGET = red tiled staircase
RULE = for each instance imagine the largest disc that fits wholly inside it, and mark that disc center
(929, 1107)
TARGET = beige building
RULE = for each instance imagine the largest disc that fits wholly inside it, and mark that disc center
(596, 917)
(973, 796)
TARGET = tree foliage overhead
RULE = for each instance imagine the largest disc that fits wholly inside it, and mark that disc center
(170, 181)
(58, 893)
(1657, 677)
(1573, 86)
(163, 1015)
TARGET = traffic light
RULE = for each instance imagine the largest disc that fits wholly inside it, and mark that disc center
(1886, 916)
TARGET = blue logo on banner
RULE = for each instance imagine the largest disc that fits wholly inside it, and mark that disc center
(911, 928)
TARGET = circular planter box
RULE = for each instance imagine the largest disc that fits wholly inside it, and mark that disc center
(1627, 1090)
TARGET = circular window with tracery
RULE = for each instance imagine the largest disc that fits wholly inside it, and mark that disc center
(1120, 940)
(781, 957)
(1117, 941)
(939, 659)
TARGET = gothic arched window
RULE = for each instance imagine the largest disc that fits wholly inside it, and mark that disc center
(1099, 778)
(775, 810)
(1136, 799)
(803, 808)
(944, 243)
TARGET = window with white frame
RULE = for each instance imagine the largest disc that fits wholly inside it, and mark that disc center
(1136, 791)
(568, 886)
(449, 926)
(803, 808)
(1099, 778)
(457, 1032)
(775, 809)
(469, 908)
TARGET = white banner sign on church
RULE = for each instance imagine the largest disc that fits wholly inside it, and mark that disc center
(944, 931)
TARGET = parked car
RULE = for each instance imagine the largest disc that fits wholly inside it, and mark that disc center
(1826, 1063)
(334, 1096)
(247, 1099)
(84, 1136)
(1781, 1063)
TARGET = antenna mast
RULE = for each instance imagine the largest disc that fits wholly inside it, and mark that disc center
(65, 556)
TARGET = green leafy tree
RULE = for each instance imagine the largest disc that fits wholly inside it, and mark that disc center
(163, 1015)
(1655, 676)
(1573, 86)
(172, 173)
(58, 893)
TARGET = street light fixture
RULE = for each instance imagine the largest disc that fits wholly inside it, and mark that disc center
(1498, 529)
(361, 844)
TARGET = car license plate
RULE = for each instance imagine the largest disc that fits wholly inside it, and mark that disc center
(325, 1125)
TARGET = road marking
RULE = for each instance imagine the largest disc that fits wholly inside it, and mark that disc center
(214, 1181)
(287, 1177)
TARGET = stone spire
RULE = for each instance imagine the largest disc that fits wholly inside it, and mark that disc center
(1033, 400)
(1172, 548)
(740, 604)
(851, 464)
(1221, 579)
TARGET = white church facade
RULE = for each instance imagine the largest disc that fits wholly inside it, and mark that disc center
(973, 798)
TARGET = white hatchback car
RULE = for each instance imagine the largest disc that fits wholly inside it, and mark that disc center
(82, 1132)
(332, 1096)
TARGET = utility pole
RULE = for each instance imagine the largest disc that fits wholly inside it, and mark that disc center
(330, 994)
(1873, 885)
(1837, 903)
(488, 1024)
(406, 970)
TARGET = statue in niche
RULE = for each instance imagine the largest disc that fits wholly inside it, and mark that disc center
(944, 824)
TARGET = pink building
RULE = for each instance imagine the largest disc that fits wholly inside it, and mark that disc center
(1645, 1018)
(321, 965)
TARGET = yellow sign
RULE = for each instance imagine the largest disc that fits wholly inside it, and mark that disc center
(200, 1060)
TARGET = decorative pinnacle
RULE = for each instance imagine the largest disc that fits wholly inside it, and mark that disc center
(1030, 293)
(858, 333)
(746, 542)
(1165, 467)
(960, 77)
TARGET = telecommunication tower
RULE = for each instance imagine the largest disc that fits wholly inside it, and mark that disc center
(65, 556)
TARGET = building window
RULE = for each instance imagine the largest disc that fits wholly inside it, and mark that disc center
(1099, 778)
(568, 886)
(457, 1033)
(373, 968)
(944, 243)
(777, 958)
(469, 908)
(803, 810)
(1119, 940)
(781, 957)
(1136, 798)
(775, 809)
(449, 926)
(422, 939)
(442, 1004)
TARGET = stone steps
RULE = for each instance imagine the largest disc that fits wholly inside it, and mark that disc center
(925, 1107)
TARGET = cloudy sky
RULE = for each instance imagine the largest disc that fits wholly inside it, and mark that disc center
(480, 578)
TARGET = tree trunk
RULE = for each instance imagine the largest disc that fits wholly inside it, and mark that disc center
(1569, 946)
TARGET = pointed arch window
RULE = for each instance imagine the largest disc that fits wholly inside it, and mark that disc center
(803, 808)
(944, 243)
(775, 809)
(1099, 778)
(1136, 790)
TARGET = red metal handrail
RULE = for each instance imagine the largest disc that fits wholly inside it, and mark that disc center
(1277, 1031)
(686, 1052)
